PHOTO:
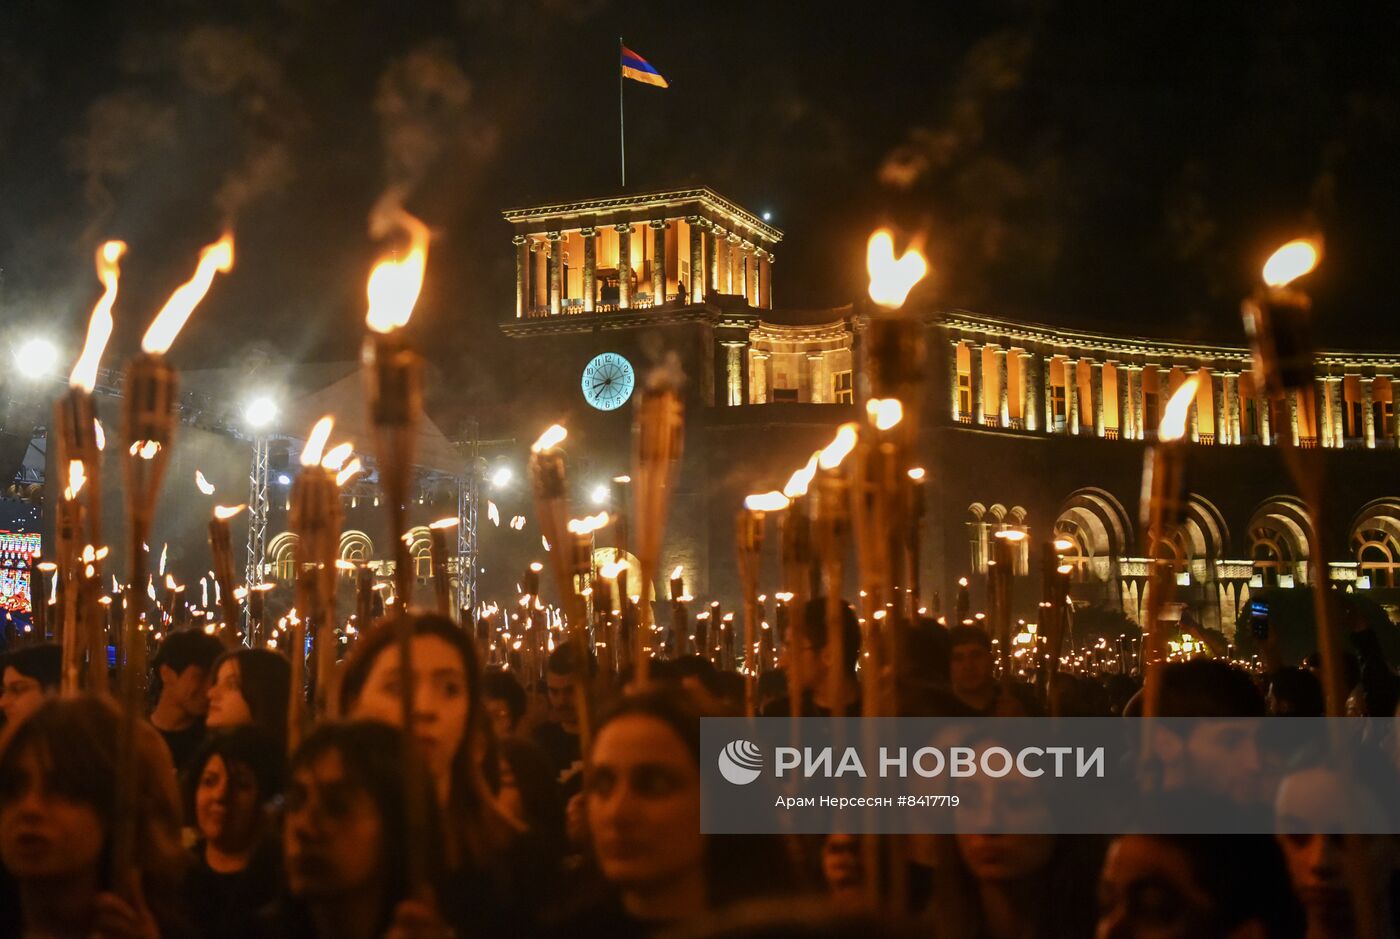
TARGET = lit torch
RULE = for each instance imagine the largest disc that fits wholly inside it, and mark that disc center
(660, 428)
(831, 529)
(442, 584)
(221, 548)
(316, 519)
(749, 528)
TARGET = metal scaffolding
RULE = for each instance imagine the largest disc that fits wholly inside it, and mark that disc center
(468, 540)
(258, 506)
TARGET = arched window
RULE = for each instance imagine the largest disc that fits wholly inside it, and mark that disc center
(420, 549)
(1269, 555)
(356, 548)
(282, 557)
(1081, 555)
(1377, 556)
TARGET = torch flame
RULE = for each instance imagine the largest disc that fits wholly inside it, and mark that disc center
(610, 571)
(77, 477)
(1173, 425)
(337, 456)
(205, 486)
(884, 413)
(1063, 544)
(225, 512)
(84, 374)
(214, 259)
(1010, 534)
(677, 573)
(550, 439)
(449, 522)
(99, 434)
(350, 470)
(891, 279)
(917, 474)
(1291, 261)
(588, 524)
(395, 283)
(766, 502)
(799, 481)
(839, 448)
(316, 442)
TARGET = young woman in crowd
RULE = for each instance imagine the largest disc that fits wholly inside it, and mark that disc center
(488, 855)
(28, 675)
(237, 867)
(251, 686)
(58, 779)
(345, 842)
(642, 802)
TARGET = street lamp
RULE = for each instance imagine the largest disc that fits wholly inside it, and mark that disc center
(36, 358)
(259, 412)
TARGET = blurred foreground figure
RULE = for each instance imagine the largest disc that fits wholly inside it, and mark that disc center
(28, 675)
(58, 778)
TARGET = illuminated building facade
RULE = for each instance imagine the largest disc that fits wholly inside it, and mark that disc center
(1026, 426)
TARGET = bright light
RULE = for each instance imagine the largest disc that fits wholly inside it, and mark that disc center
(1290, 262)
(36, 358)
(766, 502)
(600, 494)
(1173, 426)
(502, 477)
(892, 278)
(283, 479)
(260, 411)
(768, 216)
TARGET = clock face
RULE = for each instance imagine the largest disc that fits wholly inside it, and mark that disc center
(607, 381)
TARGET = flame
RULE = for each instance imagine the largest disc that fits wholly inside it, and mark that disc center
(226, 512)
(84, 374)
(344, 565)
(1173, 425)
(77, 477)
(316, 441)
(917, 474)
(337, 456)
(493, 513)
(395, 283)
(610, 571)
(145, 449)
(350, 470)
(678, 573)
(164, 554)
(215, 258)
(169, 581)
(517, 522)
(799, 481)
(588, 524)
(884, 413)
(1063, 544)
(1010, 534)
(766, 502)
(550, 439)
(1291, 261)
(624, 480)
(536, 566)
(205, 486)
(1064, 568)
(839, 448)
(449, 522)
(99, 433)
(891, 279)
(962, 581)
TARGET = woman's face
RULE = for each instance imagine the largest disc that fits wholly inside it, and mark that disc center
(643, 803)
(1148, 890)
(1005, 857)
(42, 832)
(333, 833)
(440, 698)
(227, 706)
(226, 808)
(20, 695)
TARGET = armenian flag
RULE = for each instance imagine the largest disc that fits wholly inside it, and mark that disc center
(639, 69)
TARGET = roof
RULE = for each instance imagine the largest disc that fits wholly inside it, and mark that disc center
(703, 197)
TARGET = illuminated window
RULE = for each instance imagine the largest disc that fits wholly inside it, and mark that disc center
(964, 394)
(1377, 556)
(842, 390)
(1057, 403)
(1270, 556)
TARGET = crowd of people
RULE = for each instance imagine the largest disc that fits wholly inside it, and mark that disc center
(507, 817)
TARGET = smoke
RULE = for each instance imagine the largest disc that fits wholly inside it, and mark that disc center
(221, 61)
(421, 103)
(121, 130)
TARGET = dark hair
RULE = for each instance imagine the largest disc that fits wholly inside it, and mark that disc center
(265, 679)
(77, 741)
(1067, 885)
(181, 650)
(41, 661)
(963, 634)
(372, 753)
(249, 745)
(1208, 688)
(537, 780)
(814, 627)
(477, 829)
(699, 668)
(563, 661)
(1296, 692)
(502, 685)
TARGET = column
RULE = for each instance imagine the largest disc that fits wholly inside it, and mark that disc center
(816, 372)
(624, 266)
(1028, 386)
(1164, 392)
(522, 273)
(1323, 425)
(539, 275)
(732, 259)
(1395, 407)
(590, 268)
(1334, 409)
(1263, 407)
(1072, 394)
(734, 375)
(658, 261)
(722, 259)
(753, 276)
(1368, 413)
(1293, 406)
(1217, 407)
(758, 377)
(1003, 392)
(1120, 394)
(1195, 410)
(696, 287)
(1232, 399)
(1096, 395)
(711, 258)
(1135, 400)
(765, 291)
(974, 358)
(556, 267)
(954, 406)
(1048, 392)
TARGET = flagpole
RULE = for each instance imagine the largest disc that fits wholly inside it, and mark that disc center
(621, 120)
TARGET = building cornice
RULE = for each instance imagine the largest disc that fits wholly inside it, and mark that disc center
(703, 195)
(606, 322)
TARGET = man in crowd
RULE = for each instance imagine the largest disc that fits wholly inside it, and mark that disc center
(558, 736)
(972, 675)
(812, 657)
(27, 676)
(181, 680)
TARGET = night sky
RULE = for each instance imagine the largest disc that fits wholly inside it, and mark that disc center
(1069, 163)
